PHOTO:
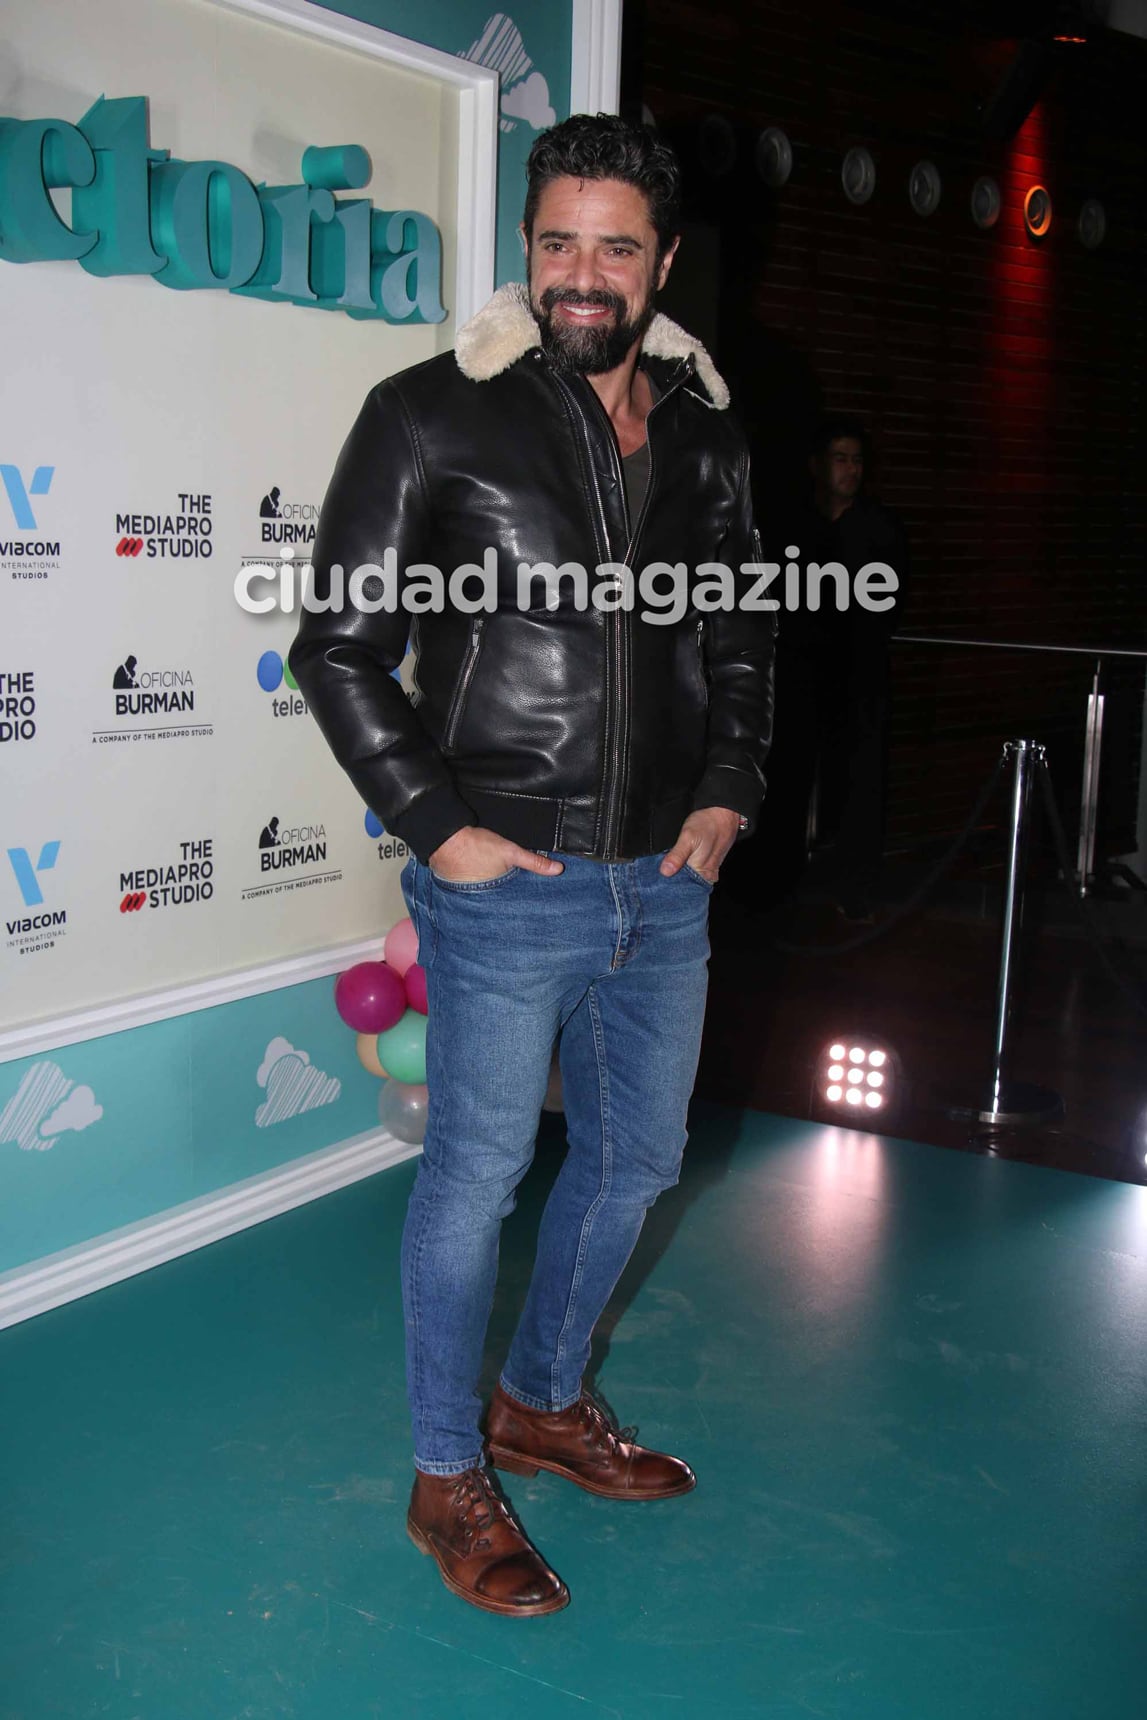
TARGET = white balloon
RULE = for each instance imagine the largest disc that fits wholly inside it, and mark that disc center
(402, 1110)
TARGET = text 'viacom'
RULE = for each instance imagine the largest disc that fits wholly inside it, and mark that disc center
(136, 211)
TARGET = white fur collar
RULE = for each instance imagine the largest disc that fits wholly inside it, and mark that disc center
(505, 328)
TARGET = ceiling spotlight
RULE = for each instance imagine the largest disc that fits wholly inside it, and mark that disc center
(986, 202)
(1092, 224)
(858, 176)
(924, 187)
(1037, 211)
(857, 1054)
(774, 156)
(874, 1100)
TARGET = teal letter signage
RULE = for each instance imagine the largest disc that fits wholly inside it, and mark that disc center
(197, 224)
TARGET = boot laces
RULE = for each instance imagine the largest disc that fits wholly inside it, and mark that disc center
(477, 1505)
(600, 1431)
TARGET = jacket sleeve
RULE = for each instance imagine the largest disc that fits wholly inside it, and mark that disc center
(342, 657)
(740, 647)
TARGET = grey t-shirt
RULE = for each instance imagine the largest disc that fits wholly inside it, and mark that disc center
(635, 468)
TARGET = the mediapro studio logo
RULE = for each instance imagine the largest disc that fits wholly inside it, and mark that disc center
(174, 885)
(17, 705)
(292, 856)
(37, 930)
(182, 533)
(24, 557)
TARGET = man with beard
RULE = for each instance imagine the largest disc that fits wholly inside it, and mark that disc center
(569, 779)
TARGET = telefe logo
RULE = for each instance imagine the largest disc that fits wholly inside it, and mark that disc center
(136, 211)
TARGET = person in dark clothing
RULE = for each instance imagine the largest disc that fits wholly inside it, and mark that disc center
(833, 679)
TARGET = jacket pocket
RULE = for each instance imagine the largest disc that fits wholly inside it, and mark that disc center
(465, 678)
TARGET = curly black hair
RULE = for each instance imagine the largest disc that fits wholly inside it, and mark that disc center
(603, 146)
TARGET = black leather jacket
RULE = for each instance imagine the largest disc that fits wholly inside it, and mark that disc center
(592, 732)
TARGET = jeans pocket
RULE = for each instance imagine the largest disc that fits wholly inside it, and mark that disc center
(698, 877)
(470, 886)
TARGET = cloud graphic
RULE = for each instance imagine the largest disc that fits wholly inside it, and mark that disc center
(293, 1084)
(500, 47)
(278, 1047)
(40, 1109)
(78, 1111)
(530, 100)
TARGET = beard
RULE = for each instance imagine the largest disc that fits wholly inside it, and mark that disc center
(594, 350)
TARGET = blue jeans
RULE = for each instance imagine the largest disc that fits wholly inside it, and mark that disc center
(614, 959)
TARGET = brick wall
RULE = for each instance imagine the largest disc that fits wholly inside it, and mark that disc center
(1003, 379)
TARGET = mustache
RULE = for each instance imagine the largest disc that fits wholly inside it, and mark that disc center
(597, 298)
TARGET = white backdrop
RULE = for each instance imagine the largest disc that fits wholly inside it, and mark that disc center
(137, 396)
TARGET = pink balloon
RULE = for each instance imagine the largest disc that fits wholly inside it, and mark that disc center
(401, 947)
(415, 979)
(370, 997)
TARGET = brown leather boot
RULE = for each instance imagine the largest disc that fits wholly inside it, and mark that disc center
(462, 1521)
(580, 1444)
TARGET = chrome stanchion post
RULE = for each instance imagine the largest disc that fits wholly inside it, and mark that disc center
(1089, 798)
(1009, 1103)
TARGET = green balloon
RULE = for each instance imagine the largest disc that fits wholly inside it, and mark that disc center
(402, 1048)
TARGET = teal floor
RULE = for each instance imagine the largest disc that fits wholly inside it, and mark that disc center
(911, 1381)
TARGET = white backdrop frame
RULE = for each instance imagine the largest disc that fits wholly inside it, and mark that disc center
(477, 90)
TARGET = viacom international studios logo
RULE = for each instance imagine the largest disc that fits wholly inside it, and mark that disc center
(189, 878)
(151, 702)
(43, 921)
(28, 548)
(292, 856)
(167, 534)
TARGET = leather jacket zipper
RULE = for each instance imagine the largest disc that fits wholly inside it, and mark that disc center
(618, 635)
(469, 665)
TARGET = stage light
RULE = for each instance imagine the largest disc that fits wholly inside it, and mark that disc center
(857, 1074)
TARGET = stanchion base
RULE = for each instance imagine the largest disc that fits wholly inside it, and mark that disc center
(1020, 1103)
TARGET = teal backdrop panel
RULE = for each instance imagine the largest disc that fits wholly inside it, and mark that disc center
(116, 1130)
(529, 46)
